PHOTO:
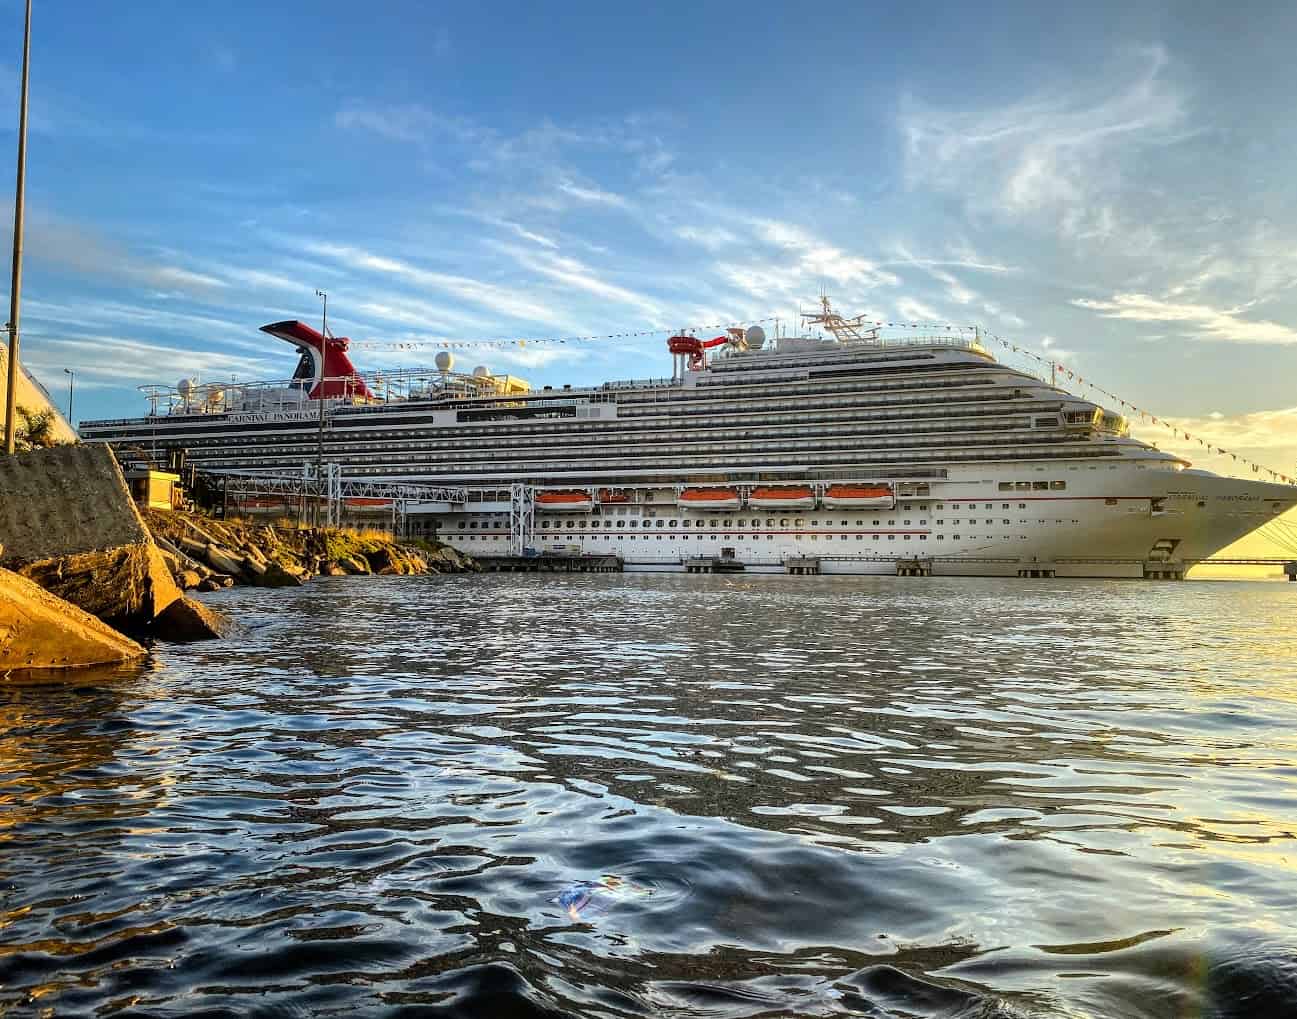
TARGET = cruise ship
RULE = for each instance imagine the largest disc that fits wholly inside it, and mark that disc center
(856, 451)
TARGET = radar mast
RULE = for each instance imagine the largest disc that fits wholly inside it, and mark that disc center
(844, 330)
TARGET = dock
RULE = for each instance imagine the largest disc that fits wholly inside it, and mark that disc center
(552, 562)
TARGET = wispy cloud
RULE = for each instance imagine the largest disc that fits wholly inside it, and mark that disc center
(1200, 320)
(575, 274)
(505, 301)
(1053, 154)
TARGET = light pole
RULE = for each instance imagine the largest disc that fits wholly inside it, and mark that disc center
(72, 377)
(319, 442)
(16, 282)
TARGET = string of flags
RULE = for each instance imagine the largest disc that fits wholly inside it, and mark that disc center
(1177, 431)
(541, 340)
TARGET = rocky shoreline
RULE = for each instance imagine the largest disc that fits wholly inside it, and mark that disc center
(205, 554)
(85, 574)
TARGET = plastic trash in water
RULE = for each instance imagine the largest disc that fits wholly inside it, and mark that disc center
(594, 897)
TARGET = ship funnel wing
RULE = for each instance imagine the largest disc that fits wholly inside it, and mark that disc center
(329, 360)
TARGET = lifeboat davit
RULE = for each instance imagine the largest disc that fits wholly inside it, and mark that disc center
(709, 499)
(782, 497)
(859, 497)
(565, 502)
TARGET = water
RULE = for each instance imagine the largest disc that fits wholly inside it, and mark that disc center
(787, 796)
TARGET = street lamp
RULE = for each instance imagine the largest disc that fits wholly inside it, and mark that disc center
(16, 281)
(72, 377)
(319, 442)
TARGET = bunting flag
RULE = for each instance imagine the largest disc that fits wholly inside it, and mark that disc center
(1054, 366)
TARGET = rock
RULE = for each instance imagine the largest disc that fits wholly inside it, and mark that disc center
(224, 561)
(71, 526)
(40, 631)
(332, 569)
(354, 565)
(187, 619)
(277, 575)
(188, 580)
(210, 584)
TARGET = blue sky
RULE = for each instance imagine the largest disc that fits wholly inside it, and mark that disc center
(1111, 184)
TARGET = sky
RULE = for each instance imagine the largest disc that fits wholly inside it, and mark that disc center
(1109, 185)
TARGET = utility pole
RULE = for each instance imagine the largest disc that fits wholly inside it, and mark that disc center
(72, 377)
(319, 442)
(16, 281)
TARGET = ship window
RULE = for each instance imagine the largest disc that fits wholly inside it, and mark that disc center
(661, 523)
(940, 506)
(1023, 485)
(815, 537)
(621, 523)
(876, 523)
(875, 537)
(1006, 521)
(783, 521)
(860, 523)
(891, 537)
(941, 521)
(844, 523)
(859, 537)
(634, 523)
(673, 523)
(473, 525)
(1110, 502)
(954, 505)
(460, 525)
(1022, 505)
(714, 523)
(800, 522)
(770, 521)
(907, 521)
(686, 523)
(1006, 486)
(580, 523)
(1040, 486)
(955, 537)
(908, 536)
(1057, 485)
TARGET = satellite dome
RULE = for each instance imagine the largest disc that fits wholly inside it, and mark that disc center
(481, 372)
(756, 337)
(185, 387)
(444, 361)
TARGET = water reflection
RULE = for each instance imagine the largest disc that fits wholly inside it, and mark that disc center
(921, 798)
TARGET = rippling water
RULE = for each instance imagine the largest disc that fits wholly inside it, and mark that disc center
(666, 795)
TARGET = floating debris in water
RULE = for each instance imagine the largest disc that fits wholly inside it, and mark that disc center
(596, 896)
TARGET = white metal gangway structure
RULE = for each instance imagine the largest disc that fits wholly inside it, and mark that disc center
(334, 489)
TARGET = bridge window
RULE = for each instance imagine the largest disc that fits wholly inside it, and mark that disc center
(1058, 485)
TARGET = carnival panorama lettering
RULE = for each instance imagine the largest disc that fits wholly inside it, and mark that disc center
(259, 416)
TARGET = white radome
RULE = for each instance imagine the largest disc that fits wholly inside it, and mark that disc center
(756, 337)
(481, 372)
(444, 361)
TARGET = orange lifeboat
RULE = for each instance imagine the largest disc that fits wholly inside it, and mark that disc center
(859, 497)
(709, 499)
(782, 497)
(613, 496)
(565, 502)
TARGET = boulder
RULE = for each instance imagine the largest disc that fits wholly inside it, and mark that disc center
(188, 580)
(332, 569)
(354, 565)
(224, 561)
(212, 583)
(71, 526)
(187, 619)
(277, 575)
(40, 631)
